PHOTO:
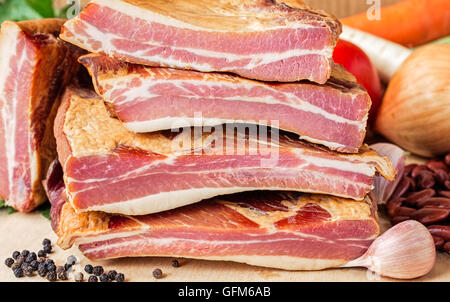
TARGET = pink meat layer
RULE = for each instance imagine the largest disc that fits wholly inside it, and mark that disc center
(149, 99)
(285, 51)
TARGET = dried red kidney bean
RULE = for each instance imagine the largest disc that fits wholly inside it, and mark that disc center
(430, 215)
(423, 194)
(438, 242)
(442, 231)
(441, 176)
(401, 189)
(447, 159)
(415, 197)
(447, 184)
(444, 193)
(412, 183)
(446, 247)
(436, 202)
(398, 219)
(435, 165)
(392, 205)
(417, 170)
(404, 211)
(408, 169)
(425, 180)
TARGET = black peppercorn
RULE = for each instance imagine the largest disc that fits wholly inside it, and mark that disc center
(120, 277)
(46, 242)
(20, 260)
(30, 257)
(60, 269)
(51, 276)
(42, 271)
(88, 269)
(62, 275)
(9, 262)
(112, 275)
(25, 253)
(175, 263)
(15, 255)
(93, 279)
(24, 266)
(41, 254)
(42, 265)
(48, 249)
(104, 278)
(15, 266)
(98, 270)
(34, 265)
(18, 272)
(51, 268)
(28, 271)
(157, 273)
(48, 262)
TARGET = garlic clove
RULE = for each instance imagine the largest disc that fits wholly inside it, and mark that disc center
(383, 188)
(405, 251)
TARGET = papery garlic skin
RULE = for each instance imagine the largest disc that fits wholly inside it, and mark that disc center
(415, 112)
(383, 188)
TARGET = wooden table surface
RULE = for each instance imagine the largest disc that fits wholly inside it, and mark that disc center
(26, 231)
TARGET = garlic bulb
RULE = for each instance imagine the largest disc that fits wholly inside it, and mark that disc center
(415, 112)
(405, 251)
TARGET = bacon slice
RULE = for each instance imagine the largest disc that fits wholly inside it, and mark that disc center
(285, 230)
(35, 66)
(149, 99)
(258, 39)
(108, 168)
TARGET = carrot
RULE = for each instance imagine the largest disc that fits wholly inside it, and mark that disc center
(409, 22)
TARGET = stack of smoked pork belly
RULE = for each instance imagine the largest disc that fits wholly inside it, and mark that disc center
(148, 165)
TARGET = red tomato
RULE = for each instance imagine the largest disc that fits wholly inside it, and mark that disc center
(355, 60)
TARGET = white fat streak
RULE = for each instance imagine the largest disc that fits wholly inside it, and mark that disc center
(166, 200)
(342, 165)
(142, 92)
(148, 15)
(256, 59)
(170, 200)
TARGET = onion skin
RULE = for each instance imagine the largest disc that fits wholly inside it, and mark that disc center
(415, 112)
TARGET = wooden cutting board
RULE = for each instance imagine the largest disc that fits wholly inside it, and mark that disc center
(26, 231)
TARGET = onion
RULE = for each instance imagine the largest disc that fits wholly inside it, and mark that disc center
(415, 112)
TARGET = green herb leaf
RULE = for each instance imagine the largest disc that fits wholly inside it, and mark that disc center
(42, 7)
(44, 210)
(11, 210)
(18, 10)
(3, 206)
